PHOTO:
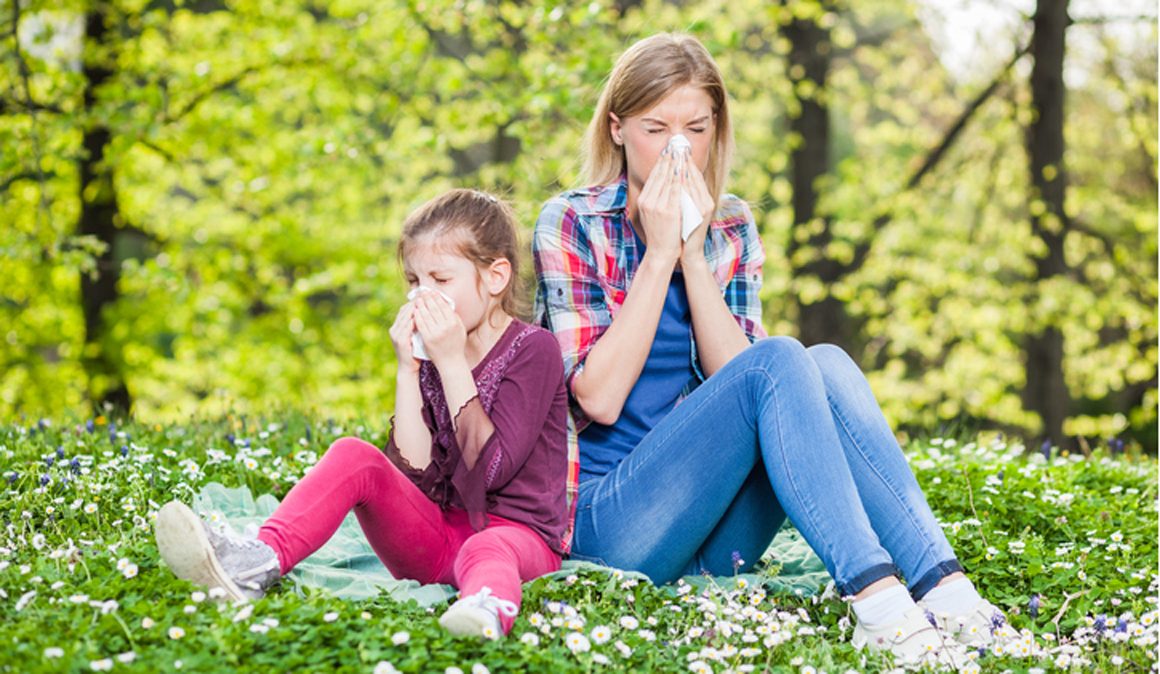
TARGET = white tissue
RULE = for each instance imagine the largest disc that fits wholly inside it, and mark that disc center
(417, 348)
(690, 215)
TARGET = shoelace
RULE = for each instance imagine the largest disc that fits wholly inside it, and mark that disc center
(248, 541)
(486, 600)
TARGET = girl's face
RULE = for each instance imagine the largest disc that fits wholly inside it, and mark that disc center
(442, 267)
(687, 110)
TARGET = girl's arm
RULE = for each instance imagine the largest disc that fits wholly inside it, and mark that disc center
(410, 433)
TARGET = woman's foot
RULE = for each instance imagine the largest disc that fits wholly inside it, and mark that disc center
(477, 615)
(983, 626)
(243, 567)
(914, 640)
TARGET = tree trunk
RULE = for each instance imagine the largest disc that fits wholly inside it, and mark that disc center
(824, 319)
(99, 217)
(1046, 391)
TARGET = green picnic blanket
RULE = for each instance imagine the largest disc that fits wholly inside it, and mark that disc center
(348, 568)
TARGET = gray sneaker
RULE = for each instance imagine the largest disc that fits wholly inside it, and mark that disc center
(215, 558)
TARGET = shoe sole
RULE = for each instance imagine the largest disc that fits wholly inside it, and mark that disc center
(183, 545)
(462, 623)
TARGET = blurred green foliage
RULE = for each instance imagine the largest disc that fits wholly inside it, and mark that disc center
(264, 153)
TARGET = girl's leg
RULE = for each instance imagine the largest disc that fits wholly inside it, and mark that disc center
(405, 528)
(656, 510)
(890, 495)
(501, 557)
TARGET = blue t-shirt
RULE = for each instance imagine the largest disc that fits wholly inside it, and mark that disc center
(667, 371)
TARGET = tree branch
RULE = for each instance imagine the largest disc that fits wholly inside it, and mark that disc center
(862, 250)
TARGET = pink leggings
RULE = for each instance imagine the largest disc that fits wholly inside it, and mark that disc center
(413, 536)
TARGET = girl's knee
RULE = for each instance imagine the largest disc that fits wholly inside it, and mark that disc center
(355, 453)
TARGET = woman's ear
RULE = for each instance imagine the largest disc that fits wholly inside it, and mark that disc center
(499, 274)
(615, 128)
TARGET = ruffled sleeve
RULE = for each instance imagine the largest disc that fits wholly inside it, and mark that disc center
(475, 455)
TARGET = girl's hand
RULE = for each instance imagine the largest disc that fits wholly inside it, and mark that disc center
(400, 332)
(443, 333)
(660, 204)
(693, 250)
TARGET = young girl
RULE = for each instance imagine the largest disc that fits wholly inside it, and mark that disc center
(471, 488)
(698, 435)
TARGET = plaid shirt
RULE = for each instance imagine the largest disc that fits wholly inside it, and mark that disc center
(586, 256)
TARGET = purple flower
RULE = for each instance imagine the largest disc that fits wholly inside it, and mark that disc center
(124, 450)
(1122, 626)
(737, 561)
(75, 466)
(13, 476)
(60, 452)
(89, 425)
(1045, 448)
(1033, 606)
(45, 479)
(1101, 623)
(48, 461)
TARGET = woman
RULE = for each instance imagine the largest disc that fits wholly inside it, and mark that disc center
(697, 434)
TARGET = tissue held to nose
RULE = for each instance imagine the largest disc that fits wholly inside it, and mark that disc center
(690, 216)
(417, 348)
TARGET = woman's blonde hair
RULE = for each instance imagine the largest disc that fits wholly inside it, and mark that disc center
(643, 76)
(479, 226)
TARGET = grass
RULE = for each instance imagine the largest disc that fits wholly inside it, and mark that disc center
(1067, 545)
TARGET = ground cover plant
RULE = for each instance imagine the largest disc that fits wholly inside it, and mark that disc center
(1067, 545)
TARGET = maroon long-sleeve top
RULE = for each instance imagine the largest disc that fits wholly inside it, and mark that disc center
(518, 471)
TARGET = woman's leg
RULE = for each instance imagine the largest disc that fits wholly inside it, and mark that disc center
(655, 511)
(502, 557)
(405, 528)
(747, 528)
(889, 493)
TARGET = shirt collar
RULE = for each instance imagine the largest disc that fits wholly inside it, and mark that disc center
(605, 199)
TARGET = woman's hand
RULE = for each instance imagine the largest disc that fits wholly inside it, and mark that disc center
(693, 249)
(659, 204)
(400, 332)
(443, 333)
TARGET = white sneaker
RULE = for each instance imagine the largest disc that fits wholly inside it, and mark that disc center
(244, 568)
(477, 615)
(981, 627)
(914, 640)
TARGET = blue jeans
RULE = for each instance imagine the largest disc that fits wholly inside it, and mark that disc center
(780, 430)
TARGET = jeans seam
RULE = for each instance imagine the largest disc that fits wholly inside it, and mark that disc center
(806, 505)
(928, 549)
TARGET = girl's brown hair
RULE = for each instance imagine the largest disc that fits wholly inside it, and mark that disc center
(476, 225)
(643, 76)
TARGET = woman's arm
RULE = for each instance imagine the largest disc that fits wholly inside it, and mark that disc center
(615, 362)
(719, 335)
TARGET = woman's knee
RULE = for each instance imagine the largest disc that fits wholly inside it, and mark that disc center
(833, 361)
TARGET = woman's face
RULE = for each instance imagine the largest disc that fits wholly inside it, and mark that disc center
(687, 110)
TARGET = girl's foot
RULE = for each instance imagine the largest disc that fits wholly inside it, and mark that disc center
(477, 615)
(244, 568)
